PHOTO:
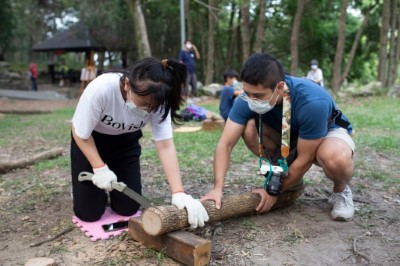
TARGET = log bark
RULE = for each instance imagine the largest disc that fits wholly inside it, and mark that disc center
(162, 219)
(6, 166)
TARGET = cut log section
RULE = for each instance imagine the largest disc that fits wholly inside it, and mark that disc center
(183, 246)
(6, 166)
(162, 219)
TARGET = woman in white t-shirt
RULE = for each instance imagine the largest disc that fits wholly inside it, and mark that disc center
(106, 129)
(315, 74)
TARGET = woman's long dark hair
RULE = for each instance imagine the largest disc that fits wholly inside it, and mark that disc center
(163, 80)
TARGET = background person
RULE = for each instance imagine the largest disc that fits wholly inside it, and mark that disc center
(188, 55)
(315, 74)
(228, 92)
(33, 75)
(106, 130)
(317, 135)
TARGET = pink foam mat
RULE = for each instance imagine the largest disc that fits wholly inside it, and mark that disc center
(94, 230)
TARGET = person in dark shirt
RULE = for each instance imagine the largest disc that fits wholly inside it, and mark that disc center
(228, 93)
(188, 55)
(297, 116)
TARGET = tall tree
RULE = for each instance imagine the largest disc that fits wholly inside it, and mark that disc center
(260, 31)
(139, 24)
(392, 67)
(337, 64)
(355, 45)
(245, 29)
(383, 42)
(294, 39)
(189, 24)
(210, 47)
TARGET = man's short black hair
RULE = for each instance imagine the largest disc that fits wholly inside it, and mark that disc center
(263, 69)
(230, 73)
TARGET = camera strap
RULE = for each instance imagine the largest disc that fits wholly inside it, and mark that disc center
(286, 119)
(285, 140)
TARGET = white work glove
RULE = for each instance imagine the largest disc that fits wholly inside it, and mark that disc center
(103, 177)
(197, 214)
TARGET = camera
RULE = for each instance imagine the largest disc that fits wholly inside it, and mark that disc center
(275, 183)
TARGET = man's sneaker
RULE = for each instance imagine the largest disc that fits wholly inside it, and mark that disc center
(343, 207)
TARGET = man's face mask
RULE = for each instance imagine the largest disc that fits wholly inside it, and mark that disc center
(234, 82)
(314, 67)
(260, 106)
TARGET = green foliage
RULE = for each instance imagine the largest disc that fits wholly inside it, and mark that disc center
(7, 24)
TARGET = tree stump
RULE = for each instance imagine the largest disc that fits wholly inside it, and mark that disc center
(162, 219)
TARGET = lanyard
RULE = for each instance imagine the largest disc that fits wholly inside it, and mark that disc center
(285, 142)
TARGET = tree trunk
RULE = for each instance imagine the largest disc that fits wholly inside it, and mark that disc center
(162, 219)
(260, 32)
(294, 39)
(245, 30)
(231, 34)
(392, 69)
(139, 25)
(210, 47)
(383, 42)
(397, 53)
(189, 24)
(354, 46)
(337, 64)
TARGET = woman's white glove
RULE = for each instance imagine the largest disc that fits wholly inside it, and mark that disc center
(197, 214)
(103, 177)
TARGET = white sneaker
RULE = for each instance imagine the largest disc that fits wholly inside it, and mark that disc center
(343, 207)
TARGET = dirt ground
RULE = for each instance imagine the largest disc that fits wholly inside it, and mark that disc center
(300, 234)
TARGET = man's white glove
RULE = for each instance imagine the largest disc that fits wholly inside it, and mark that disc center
(103, 177)
(197, 214)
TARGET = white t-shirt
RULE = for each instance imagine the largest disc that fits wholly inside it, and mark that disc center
(102, 108)
(316, 75)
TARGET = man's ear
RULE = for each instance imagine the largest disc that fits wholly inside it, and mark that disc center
(281, 86)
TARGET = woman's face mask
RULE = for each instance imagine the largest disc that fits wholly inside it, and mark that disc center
(314, 67)
(138, 111)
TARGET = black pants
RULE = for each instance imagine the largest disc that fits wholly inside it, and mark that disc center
(121, 153)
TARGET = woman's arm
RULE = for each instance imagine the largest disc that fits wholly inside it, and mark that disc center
(89, 149)
(169, 162)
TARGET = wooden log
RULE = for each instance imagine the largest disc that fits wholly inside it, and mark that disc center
(6, 166)
(162, 219)
(183, 246)
(212, 125)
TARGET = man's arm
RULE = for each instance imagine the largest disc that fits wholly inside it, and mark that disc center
(196, 52)
(227, 142)
(306, 152)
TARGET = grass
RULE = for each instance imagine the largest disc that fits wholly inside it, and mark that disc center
(376, 123)
(21, 130)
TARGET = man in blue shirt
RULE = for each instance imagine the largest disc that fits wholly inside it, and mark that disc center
(228, 93)
(188, 55)
(317, 133)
